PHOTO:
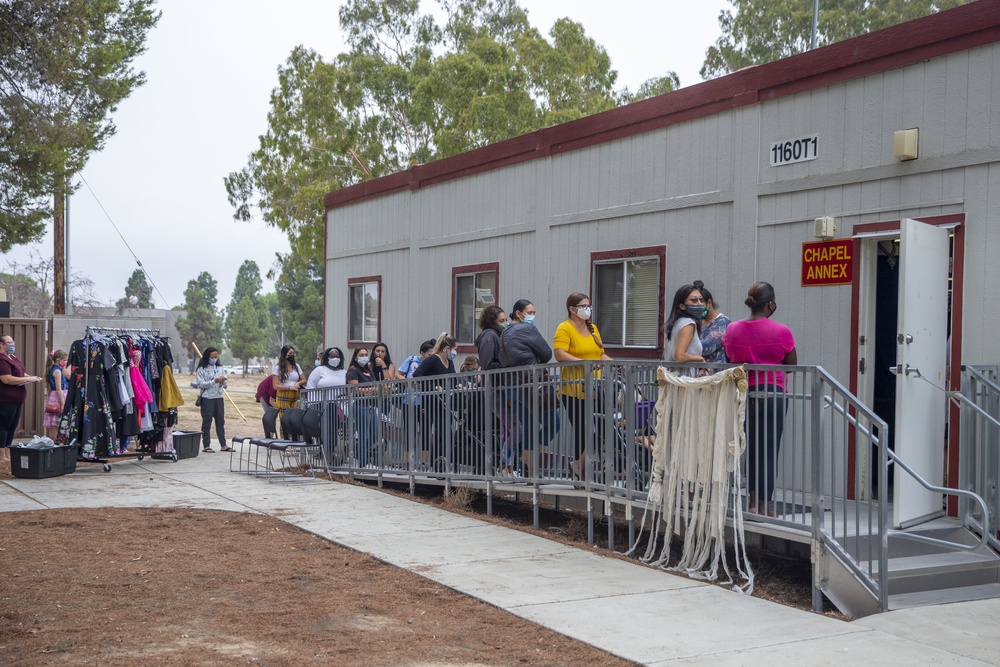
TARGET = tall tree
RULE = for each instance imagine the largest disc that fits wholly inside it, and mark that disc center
(247, 316)
(410, 91)
(64, 68)
(202, 324)
(138, 292)
(299, 292)
(761, 31)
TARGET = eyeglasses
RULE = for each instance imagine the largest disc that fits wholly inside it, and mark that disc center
(694, 300)
(582, 305)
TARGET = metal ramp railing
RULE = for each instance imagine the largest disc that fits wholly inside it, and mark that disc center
(512, 430)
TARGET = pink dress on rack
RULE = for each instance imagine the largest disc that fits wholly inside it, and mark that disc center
(141, 390)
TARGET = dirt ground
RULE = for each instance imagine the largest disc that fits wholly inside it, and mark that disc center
(113, 586)
(176, 586)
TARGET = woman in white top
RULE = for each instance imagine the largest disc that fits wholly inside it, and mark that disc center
(332, 373)
(683, 327)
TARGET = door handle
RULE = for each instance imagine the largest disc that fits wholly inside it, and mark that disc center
(904, 338)
(913, 370)
(895, 370)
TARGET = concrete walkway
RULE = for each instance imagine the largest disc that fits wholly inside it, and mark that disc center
(638, 613)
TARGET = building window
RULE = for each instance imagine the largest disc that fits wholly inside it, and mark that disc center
(365, 309)
(475, 287)
(628, 297)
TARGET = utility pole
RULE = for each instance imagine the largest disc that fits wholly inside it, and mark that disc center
(59, 250)
(812, 39)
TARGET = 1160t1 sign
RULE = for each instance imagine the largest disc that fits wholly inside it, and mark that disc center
(795, 150)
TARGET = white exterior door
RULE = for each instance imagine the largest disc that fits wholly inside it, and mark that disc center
(920, 356)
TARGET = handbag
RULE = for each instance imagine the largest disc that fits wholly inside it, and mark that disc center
(197, 401)
(53, 408)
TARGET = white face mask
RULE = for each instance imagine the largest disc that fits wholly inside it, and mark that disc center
(584, 312)
(452, 354)
(333, 362)
(362, 361)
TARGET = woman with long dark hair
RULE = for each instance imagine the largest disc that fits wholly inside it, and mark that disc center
(759, 340)
(211, 381)
(713, 328)
(683, 326)
(578, 339)
(288, 379)
(440, 362)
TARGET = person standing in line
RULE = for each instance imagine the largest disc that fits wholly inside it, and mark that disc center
(266, 397)
(211, 381)
(58, 386)
(331, 373)
(421, 428)
(441, 362)
(13, 393)
(382, 366)
(288, 380)
(759, 340)
(578, 339)
(521, 346)
(362, 404)
(683, 327)
(713, 327)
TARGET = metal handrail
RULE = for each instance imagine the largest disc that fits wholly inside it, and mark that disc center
(946, 491)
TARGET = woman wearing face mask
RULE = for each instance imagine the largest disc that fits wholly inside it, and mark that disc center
(211, 381)
(332, 373)
(683, 327)
(441, 362)
(58, 386)
(13, 393)
(522, 345)
(578, 339)
(362, 404)
(287, 379)
(758, 340)
(713, 328)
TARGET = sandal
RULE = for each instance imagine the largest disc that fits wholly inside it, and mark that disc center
(208, 450)
(226, 448)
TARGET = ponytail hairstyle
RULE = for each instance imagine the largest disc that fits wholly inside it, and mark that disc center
(443, 341)
(58, 355)
(519, 306)
(571, 301)
(758, 296)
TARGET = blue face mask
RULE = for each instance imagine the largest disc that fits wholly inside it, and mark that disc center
(316, 363)
(452, 354)
(529, 319)
(10, 348)
(213, 362)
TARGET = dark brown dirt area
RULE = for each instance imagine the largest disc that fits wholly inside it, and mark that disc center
(175, 586)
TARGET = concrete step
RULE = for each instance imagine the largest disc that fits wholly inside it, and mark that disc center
(944, 596)
(927, 572)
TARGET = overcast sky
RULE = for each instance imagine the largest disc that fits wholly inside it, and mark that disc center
(210, 67)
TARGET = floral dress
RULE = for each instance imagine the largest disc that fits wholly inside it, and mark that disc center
(711, 340)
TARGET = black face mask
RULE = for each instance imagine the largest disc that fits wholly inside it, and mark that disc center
(291, 358)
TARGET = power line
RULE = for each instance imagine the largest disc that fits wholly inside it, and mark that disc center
(137, 261)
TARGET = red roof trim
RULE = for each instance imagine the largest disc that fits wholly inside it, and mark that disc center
(958, 29)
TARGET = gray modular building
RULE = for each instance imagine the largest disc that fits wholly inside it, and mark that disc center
(861, 179)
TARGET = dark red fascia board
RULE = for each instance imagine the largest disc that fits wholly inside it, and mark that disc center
(964, 27)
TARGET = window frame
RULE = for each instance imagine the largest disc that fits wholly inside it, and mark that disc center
(468, 347)
(359, 282)
(648, 252)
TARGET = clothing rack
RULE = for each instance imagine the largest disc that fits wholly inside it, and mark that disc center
(89, 337)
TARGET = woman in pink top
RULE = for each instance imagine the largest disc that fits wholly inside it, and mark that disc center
(758, 340)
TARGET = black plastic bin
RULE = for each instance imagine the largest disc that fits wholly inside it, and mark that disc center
(41, 463)
(186, 444)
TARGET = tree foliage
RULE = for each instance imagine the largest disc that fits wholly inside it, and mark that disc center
(299, 296)
(202, 324)
(247, 316)
(761, 31)
(64, 68)
(411, 90)
(138, 292)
